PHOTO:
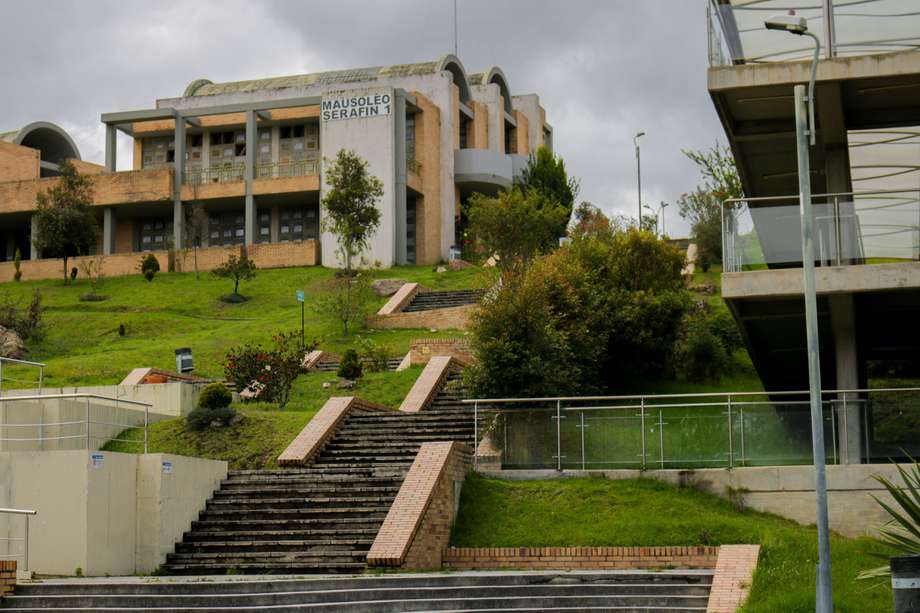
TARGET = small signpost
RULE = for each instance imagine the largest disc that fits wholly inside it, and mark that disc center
(300, 299)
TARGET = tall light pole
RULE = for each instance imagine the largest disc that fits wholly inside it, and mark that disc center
(805, 133)
(638, 176)
(664, 205)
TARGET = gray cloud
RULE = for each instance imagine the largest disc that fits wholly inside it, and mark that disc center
(604, 69)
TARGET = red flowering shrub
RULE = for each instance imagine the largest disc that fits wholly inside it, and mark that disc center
(267, 373)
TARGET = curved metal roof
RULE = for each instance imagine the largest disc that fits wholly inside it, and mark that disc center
(204, 87)
(51, 140)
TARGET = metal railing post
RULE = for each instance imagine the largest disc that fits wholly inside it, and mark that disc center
(642, 426)
(731, 449)
(838, 235)
(742, 435)
(559, 435)
(834, 442)
(475, 434)
(146, 423)
(661, 435)
(87, 424)
(846, 432)
(25, 547)
(582, 414)
(865, 412)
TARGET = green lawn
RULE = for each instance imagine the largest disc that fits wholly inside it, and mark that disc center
(264, 432)
(82, 345)
(600, 512)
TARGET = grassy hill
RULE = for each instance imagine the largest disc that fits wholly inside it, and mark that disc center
(600, 512)
(82, 346)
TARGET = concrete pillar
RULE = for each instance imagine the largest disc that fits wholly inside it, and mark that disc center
(178, 175)
(249, 173)
(111, 148)
(275, 232)
(849, 414)
(33, 231)
(108, 230)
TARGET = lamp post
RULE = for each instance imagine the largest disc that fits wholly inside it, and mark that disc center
(657, 213)
(638, 175)
(805, 133)
(664, 205)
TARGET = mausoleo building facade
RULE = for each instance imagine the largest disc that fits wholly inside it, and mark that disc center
(252, 154)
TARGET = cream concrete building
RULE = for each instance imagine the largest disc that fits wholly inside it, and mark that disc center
(252, 153)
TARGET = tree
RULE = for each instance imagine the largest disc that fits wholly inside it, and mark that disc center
(350, 204)
(237, 268)
(703, 206)
(17, 263)
(545, 173)
(196, 230)
(515, 225)
(65, 225)
(346, 299)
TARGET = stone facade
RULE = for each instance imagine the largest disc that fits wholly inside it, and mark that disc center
(585, 558)
(265, 255)
(421, 350)
(416, 530)
(733, 577)
(452, 318)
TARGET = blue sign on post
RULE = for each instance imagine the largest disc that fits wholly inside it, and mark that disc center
(300, 297)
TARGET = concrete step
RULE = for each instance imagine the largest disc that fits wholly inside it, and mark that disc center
(209, 536)
(262, 545)
(371, 521)
(344, 500)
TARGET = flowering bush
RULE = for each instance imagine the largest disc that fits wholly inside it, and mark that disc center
(267, 373)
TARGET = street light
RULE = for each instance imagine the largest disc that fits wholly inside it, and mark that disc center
(639, 175)
(659, 212)
(805, 127)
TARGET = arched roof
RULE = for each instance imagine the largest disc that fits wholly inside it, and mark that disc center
(53, 143)
(496, 76)
(450, 63)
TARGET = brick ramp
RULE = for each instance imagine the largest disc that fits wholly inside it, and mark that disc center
(500, 591)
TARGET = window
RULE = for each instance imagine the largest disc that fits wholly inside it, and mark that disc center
(265, 227)
(155, 234)
(465, 127)
(510, 138)
(157, 151)
(226, 229)
(410, 230)
(410, 137)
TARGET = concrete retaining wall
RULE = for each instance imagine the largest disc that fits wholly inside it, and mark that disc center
(119, 515)
(787, 491)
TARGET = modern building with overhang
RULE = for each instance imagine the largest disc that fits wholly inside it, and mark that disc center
(865, 181)
(252, 153)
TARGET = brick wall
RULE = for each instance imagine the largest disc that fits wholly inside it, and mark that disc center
(18, 162)
(733, 577)
(320, 429)
(423, 349)
(265, 255)
(427, 385)
(416, 530)
(453, 318)
(563, 558)
(7, 577)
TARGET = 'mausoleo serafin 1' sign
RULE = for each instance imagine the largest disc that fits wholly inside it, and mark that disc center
(356, 107)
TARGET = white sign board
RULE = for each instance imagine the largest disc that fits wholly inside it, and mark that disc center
(356, 107)
(167, 468)
(97, 460)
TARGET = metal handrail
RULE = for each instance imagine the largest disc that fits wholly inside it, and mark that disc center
(39, 365)
(26, 513)
(824, 195)
(87, 435)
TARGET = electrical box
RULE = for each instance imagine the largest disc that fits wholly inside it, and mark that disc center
(184, 362)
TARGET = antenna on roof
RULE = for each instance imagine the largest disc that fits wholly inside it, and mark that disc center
(456, 53)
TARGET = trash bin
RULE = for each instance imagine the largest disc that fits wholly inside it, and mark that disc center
(184, 360)
(905, 584)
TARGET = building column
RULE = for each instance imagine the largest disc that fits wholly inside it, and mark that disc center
(849, 410)
(249, 173)
(33, 232)
(275, 227)
(108, 230)
(178, 176)
(111, 148)
(399, 182)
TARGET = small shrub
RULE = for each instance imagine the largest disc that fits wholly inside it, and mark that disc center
(215, 396)
(121, 330)
(705, 261)
(202, 418)
(372, 356)
(73, 273)
(270, 372)
(27, 321)
(150, 266)
(236, 269)
(17, 262)
(350, 367)
(700, 355)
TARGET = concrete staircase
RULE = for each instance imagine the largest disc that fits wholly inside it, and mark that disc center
(321, 518)
(426, 301)
(333, 365)
(547, 591)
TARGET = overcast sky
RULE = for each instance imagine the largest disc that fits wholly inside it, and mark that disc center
(604, 69)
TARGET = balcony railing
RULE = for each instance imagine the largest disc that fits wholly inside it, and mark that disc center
(860, 27)
(684, 431)
(236, 173)
(852, 228)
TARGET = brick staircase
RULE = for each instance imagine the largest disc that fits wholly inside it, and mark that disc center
(547, 591)
(426, 301)
(333, 365)
(321, 518)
